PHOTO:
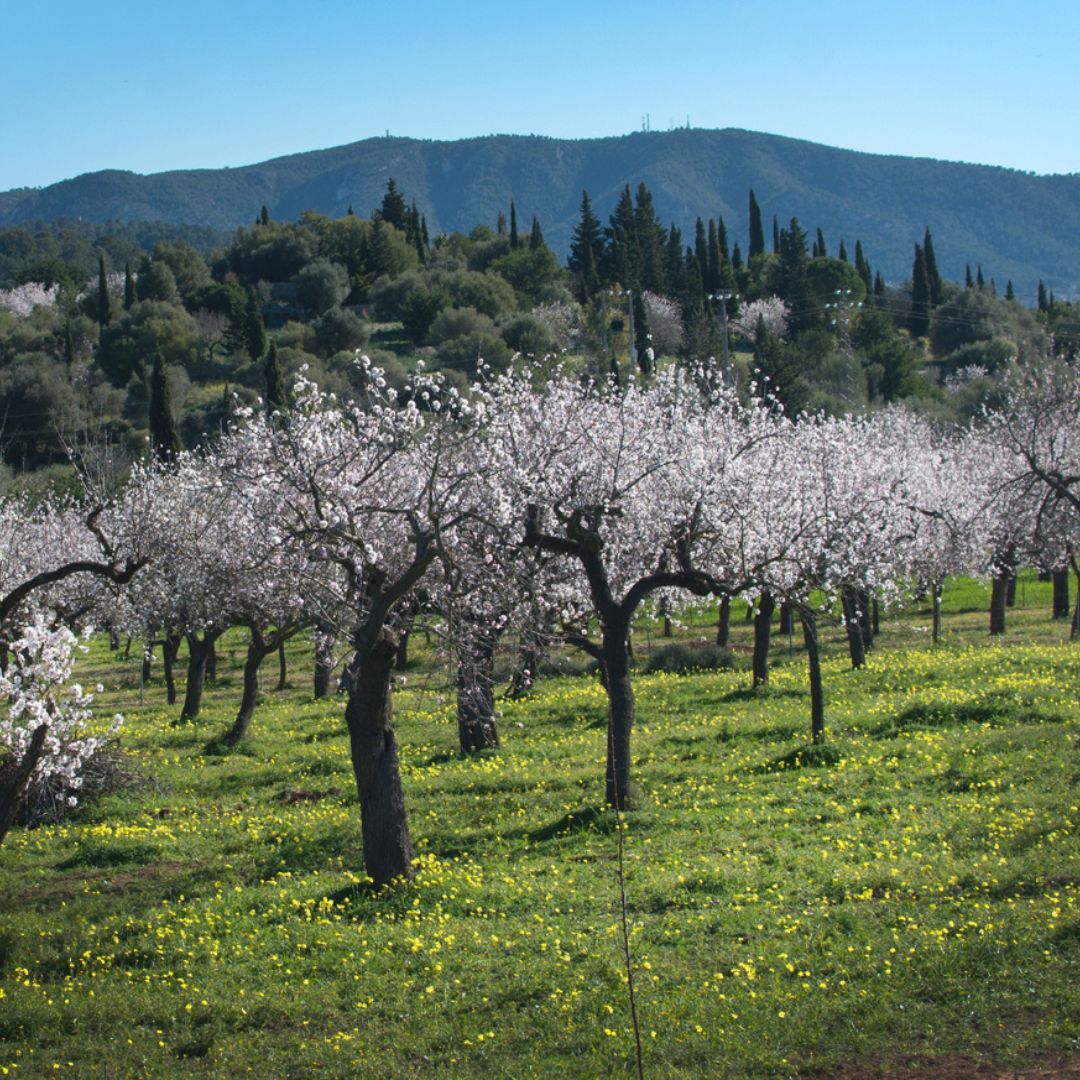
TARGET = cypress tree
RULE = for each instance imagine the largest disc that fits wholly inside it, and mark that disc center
(791, 273)
(980, 281)
(712, 278)
(932, 270)
(701, 252)
(722, 240)
(920, 295)
(775, 236)
(862, 267)
(820, 243)
(264, 216)
(969, 281)
(254, 330)
(350, 212)
(536, 237)
(165, 442)
(130, 295)
(277, 398)
(676, 269)
(842, 256)
(1009, 293)
(757, 233)
(879, 288)
(736, 258)
(515, 240)
(1043, 305)
(69, 349)
(104, 306)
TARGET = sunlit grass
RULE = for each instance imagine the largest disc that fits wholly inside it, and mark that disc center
(918, 891)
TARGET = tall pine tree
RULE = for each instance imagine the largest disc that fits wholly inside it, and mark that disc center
(586, 250)
(104, 303)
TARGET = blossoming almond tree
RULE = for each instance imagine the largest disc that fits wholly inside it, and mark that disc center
(43, 739)
(379, 491)
(611, 482)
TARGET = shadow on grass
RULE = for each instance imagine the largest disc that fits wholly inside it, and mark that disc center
(993, 709)
(597, 819)
(762, 693)
(811, 756)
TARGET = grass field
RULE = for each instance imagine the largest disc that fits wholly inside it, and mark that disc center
(908, 907)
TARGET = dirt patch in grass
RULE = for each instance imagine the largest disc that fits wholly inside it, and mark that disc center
(948, 1067)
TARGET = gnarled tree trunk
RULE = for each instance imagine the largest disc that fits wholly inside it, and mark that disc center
(369, 718)
(476, 695)
(15, 777)
(723, 623)
(198, 654)
(813, 661)
(849, 599)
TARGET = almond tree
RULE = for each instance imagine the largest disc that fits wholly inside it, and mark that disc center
(612, 483)
(379, 491)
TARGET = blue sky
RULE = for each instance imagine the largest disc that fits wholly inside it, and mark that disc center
(150, 87)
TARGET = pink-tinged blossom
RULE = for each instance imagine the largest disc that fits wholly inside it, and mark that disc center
(22, 299)
(771, 309)
(36, 693)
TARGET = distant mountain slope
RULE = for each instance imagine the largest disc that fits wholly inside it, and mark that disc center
(1017, 225)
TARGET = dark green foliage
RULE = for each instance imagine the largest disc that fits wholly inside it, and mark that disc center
(757, 232)
(338, 330)
(680, 658)
(321, 285)
(536, 237)
(277, 397)
(393, 210)
(586, 250)
(104, 303)
(920, 295)
(165, 440)
(130, 295)
(254, 330)
(932, 274)
(515, 240)
(419, 310)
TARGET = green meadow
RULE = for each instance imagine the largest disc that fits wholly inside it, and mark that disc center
(906, 903)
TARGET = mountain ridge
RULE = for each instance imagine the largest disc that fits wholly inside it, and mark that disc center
(1017, 225)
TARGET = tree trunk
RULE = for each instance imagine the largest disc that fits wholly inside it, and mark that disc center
(665, 612)
(324, 660)
(401, 656)
(530, 653)
(198, 653)
(170, 649)
(1062, 607)
(147, 660)
(1010, 589)
(787, 619)
(257, 652)
(998, 592)
(935, 593)
(15, 778)
(476, 696)
(282, 684)
(849, 600)
(620, 693)
(867, 619)
(369, 718)
(211, 662)
(723, 623)
(813, 660)
(875, 620)
(114, 639)
(762, 635)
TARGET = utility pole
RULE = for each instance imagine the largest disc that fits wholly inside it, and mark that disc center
(723, 298)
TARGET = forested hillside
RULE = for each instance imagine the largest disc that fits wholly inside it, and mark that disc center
(1021, 227)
